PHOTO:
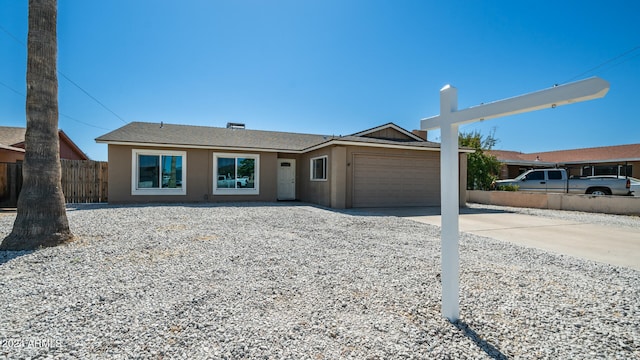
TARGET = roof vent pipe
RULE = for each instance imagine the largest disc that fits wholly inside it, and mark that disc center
(233, 125)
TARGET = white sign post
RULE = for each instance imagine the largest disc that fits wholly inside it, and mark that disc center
(448, 121)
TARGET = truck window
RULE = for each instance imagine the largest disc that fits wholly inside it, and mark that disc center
(555, 175)
(536, 175)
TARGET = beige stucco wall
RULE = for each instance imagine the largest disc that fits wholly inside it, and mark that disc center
(335, 192)
(317, 192)
(338, 176)
(626, 205)
(199, 182)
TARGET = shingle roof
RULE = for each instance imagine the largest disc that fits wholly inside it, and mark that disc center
(11, 135)
(216, 137)
(630, 152)
(188, 135)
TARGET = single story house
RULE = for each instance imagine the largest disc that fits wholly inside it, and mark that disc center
(12, 145)
(621, 160)
(383, 166)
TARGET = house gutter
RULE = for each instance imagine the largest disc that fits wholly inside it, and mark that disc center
(11, 148)
(182, 146)
(600, 161)
(309, 149)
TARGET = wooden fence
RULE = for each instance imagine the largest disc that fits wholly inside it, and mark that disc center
(83, 181)
(10, 183)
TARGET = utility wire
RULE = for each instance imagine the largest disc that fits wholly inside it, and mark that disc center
(623, 61)
(607, 62)
(91, 96)
(12, 36)
(66, 78)
(12, 89)
(61, 114)
(84, 123)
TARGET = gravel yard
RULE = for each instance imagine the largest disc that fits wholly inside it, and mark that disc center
(292, 281)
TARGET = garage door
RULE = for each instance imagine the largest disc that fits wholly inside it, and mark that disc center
(396, 180)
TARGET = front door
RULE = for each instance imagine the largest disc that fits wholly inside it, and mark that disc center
(286, 179)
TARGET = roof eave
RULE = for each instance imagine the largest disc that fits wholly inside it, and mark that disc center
(388, 146)
(528, 163)
(294, 151)
(184, 146)
(600, 161)
(12, 148)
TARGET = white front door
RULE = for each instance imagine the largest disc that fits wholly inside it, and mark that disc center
(286, 179)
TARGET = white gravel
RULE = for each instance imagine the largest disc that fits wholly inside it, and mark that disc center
(283, 281)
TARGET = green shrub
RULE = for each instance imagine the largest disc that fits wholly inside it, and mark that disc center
(508, 187)
(482, 167)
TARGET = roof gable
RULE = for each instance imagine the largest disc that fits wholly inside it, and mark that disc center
(72, 151)
(389, 131)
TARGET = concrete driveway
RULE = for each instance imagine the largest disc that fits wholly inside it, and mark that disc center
(615, 245)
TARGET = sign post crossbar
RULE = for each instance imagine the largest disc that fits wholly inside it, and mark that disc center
(448, 121)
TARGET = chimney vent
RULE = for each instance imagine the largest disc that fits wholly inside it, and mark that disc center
(420, 133)
(233, 125)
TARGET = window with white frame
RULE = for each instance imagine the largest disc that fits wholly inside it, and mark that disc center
(236, 174)
(319, 168)
(158, 172)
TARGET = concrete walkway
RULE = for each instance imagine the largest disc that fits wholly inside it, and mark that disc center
(607, 244)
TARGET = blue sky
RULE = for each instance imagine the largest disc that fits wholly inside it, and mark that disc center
(332, 67)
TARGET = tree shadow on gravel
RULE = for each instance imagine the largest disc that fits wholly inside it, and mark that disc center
(484, 345)
(5, 256)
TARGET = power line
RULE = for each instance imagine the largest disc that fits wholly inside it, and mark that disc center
(623, 61)
(91, 96)
(12, 36)
(607, 62)
(12, 89)
(61, 114)
(84, 123)
(66, 78)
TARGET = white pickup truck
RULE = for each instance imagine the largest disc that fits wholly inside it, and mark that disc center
(225, 181)
(556, 181)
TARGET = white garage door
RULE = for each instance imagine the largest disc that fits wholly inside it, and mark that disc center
(380, 181)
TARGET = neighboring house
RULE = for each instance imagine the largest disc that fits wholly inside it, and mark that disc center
(383, 166)
(622, 160)
(12, 145)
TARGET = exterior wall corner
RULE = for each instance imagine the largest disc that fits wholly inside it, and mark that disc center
(338, 174)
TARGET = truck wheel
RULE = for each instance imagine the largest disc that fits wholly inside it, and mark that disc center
(599, 191)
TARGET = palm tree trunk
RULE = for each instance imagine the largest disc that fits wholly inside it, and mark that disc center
(41, 217)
